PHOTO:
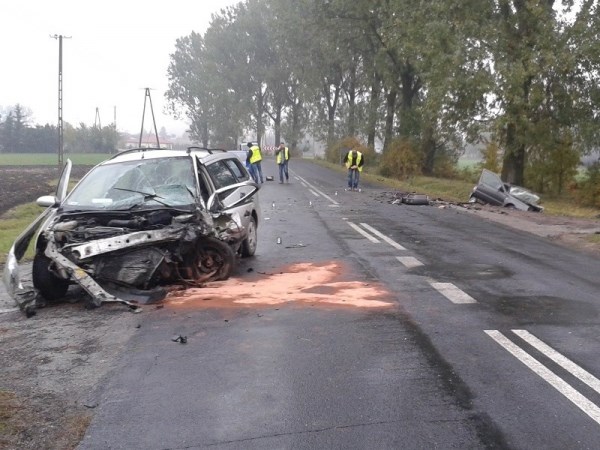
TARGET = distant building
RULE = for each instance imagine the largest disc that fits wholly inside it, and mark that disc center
(148, 141)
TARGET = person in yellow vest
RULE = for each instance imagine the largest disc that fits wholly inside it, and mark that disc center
(354, 161)
(282, 156)
(255, 158)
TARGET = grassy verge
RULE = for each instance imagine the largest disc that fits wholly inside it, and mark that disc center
(13, 223)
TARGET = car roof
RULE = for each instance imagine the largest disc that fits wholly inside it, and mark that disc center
(202, 153)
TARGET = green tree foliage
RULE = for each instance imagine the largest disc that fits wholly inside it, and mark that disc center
(490, 157)
(435, 75)
(18, 136)
(402, 160)
(588, 190)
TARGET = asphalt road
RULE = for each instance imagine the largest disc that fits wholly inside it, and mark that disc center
(369, 326)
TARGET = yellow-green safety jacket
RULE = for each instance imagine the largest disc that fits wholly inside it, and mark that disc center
(285, 153)
(358, 160)
(256, 156)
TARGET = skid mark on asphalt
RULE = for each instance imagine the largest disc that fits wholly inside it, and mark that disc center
(579, 400)
(298, 284)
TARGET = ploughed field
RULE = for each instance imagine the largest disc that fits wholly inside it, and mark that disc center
(24, 184)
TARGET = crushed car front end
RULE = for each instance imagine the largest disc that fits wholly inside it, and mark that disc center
(130, 228)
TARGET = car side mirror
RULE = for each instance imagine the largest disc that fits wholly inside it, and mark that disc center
(47, 200)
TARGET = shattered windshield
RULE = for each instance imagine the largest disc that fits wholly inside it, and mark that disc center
(141, 183)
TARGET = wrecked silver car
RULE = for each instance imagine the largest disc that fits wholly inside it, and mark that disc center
(492, 190)
(140, 221)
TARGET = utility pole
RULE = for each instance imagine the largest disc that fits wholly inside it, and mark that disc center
(147, 97)
(60, 99)
(97, 123)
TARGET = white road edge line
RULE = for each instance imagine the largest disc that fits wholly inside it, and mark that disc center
(316, 190)
(383, 236)
(559, 359)
(452, 293)
(363, 232)
(313, 193)
(547, 375)
(409, 261)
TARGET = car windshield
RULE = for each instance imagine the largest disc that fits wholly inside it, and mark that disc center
(141, 183)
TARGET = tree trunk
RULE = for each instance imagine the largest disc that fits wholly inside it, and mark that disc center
(373, 106)
(429, 150)
(389, 117)
(514, 159)
(352, 103)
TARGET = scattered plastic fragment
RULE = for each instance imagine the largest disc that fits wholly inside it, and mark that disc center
(181, 339)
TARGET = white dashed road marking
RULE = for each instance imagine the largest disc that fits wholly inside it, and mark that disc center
(364, 233)
(409, 261)
(559, 359)
(383, 237)
(452, 293)
(304, 182)
(547, 375)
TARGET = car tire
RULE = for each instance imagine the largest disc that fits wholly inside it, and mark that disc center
(216, 256)
(248, 247)
(49, 285)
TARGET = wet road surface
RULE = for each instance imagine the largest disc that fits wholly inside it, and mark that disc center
(369, 325)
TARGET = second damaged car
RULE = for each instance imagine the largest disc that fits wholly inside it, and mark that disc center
(142, 220)
(492, 190)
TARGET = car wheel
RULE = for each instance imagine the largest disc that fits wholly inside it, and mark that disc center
(49, 285)
(248, 247)
(214, 256)
(473, 199)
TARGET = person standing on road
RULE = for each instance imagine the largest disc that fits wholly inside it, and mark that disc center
(255, 158)
(282, 157)
(354, 161)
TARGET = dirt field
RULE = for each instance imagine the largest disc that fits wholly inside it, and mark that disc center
(53, 364)
(23, 184)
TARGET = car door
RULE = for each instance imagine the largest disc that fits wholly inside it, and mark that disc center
(491, 188)
(234, 191)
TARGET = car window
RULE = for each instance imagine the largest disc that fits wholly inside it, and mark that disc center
(238, 170)
(221, 174)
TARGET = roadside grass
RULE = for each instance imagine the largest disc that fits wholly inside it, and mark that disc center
(12, 223)
(50, 159)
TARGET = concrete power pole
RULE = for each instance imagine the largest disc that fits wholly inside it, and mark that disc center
(147, 97)
(60, 100)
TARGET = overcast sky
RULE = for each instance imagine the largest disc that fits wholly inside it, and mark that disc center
(116, 49)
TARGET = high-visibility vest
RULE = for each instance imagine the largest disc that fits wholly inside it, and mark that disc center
(256, 156)
(286, 154)
(358, 160)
